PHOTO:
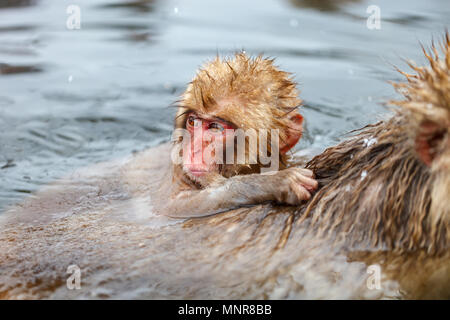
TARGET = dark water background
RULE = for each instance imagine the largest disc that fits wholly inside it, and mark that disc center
(70, 98)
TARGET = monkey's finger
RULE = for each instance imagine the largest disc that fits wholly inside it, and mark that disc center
(308, 183)
(300, 192)
(306, 172)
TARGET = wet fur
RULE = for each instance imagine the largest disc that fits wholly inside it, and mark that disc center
(379, 193)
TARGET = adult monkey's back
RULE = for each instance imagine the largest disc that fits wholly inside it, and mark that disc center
(383, 200)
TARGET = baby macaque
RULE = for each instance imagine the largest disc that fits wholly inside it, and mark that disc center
(236, 122)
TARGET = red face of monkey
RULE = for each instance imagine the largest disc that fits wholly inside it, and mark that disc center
(210, 138)
(206, 135)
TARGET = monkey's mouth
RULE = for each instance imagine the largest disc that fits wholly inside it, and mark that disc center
(198, 173)
(196, 170)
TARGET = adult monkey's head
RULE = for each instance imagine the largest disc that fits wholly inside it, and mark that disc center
(237, 93)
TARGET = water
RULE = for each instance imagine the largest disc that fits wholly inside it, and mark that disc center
(70, 98)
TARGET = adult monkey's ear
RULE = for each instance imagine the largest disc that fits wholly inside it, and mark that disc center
(429, 139)
(293, 133)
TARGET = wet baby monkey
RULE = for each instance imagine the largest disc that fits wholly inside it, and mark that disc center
(235, 124)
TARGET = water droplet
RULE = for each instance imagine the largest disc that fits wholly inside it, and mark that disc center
(370, 142)
(293, 23)
(363, 174)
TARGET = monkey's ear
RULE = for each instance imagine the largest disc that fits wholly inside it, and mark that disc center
(428, 141)
(293, 134)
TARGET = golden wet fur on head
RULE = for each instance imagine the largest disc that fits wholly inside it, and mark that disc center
(243, 83)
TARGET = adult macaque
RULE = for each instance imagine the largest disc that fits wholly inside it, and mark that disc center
(230, 101)
(382, 206)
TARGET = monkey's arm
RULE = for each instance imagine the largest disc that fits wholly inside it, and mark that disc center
(289, 186)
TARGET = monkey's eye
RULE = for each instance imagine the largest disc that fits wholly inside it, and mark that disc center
(216, 127)
(192, 121)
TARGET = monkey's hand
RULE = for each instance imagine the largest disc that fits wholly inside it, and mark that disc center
(293, 185)
(290, 186)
